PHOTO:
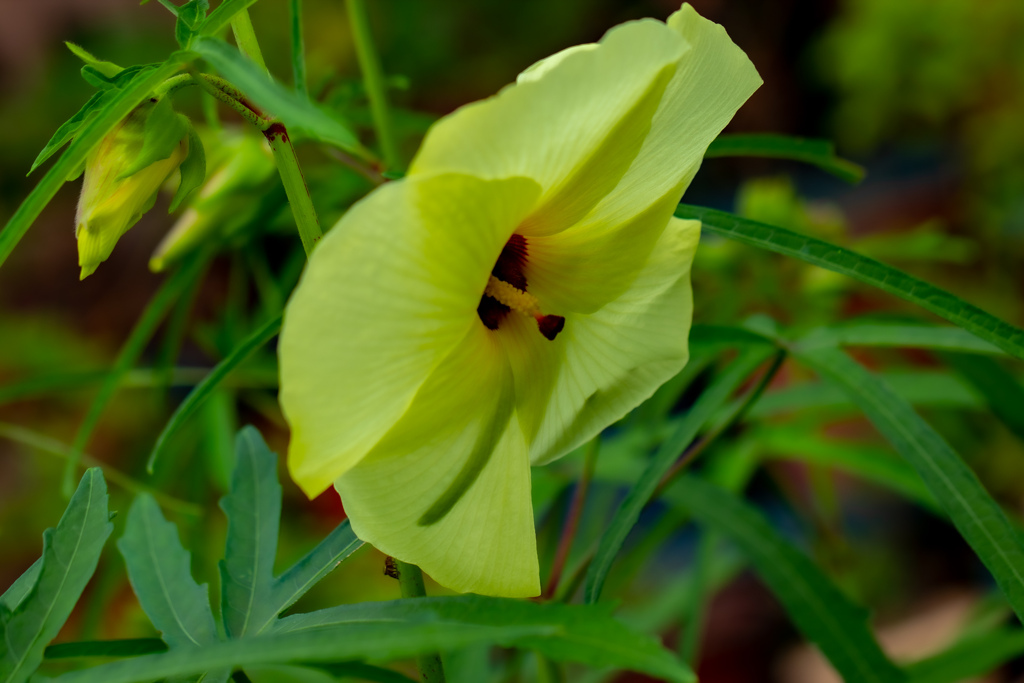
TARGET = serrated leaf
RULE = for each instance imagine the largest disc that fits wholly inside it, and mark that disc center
(832, 257)
(297, 112)
(192, 169)
(70, 554)
(162, 133)
(160, 574)
(820, 153)
(977, 517)
(820, 610)
(253, 509)
(108, 69)
(626, 516)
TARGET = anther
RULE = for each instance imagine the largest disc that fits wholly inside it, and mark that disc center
(527, 304)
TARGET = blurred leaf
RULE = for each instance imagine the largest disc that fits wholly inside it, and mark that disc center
(220, 17)
(70, 554)
(1001, 390)
(193, 168)
(161, 576)
(869, 271)
(190, 17)
(820, 610)
(977, 517)
(858, 333)
(253, 509)
(820, 153)
(119, 105)
(640, 494)
(22, 586)
(106, 648)
(296, 111)
(171, 289)
(202, 390)
(404, 628)
(969, 658)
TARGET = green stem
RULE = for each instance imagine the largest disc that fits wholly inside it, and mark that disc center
(410, 582)
(295, 187)
(245, 38)
(572, 520)
(373, 77)
(298, 48)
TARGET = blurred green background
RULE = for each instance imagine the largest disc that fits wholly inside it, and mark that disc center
(927, 94)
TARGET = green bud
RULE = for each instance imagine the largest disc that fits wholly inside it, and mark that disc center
(228, 201)
(122, 176)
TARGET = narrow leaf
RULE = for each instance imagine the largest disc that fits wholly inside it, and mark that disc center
(297, 112)
(87, 137)
(131, 647)
(68, 129)
(253, 509)
(969, 658)
(977, 517)
(70, 554)
(203, 390)
(714, 398)
(820, 610)
(867, 270)
(820, 153)
(22, 586)
(160, 574)
(1002, 391)
(108, 69)
(317, 564)
(913, 336)
(221, 17)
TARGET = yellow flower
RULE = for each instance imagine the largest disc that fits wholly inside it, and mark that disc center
(122, 177)
(524, 286)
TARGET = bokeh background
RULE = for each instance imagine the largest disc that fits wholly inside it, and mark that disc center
(927, 94)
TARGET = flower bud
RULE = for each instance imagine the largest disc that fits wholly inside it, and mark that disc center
(122, 176)
(228, 201)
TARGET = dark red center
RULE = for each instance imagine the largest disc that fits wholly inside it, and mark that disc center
(509, 268)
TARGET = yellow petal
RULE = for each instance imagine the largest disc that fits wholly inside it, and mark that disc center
(574, 124)
(711, 81)
(604, 364)
(386, 296)
(448, 488)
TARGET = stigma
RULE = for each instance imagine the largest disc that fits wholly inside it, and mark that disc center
(506, 292)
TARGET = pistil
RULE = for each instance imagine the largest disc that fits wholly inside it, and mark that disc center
(524, 302)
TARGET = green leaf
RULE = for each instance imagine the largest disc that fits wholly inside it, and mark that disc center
(404, 628)
(70, 554)
(190, 17)
(714, 398)
(68, 129)
(21, 587)
(863, 333)
(220, 18)
(160, 574)
(296, 111)
(192, 169)
(130, 647)
(108, 69)
(969, 658)
(120, 104)
(203, 390)
(1001, 390)
(977, 517)
(162, 133)
(820, 153)
(253, 509)
(822, 613)
(864, 269)
(318, 563)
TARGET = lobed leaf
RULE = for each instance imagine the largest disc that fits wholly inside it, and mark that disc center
(867, 270)
(820, 153)
(70, 555)
(159, 569)
(977, 517)
(817, 607)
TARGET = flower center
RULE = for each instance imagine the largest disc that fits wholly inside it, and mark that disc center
(506, 291)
